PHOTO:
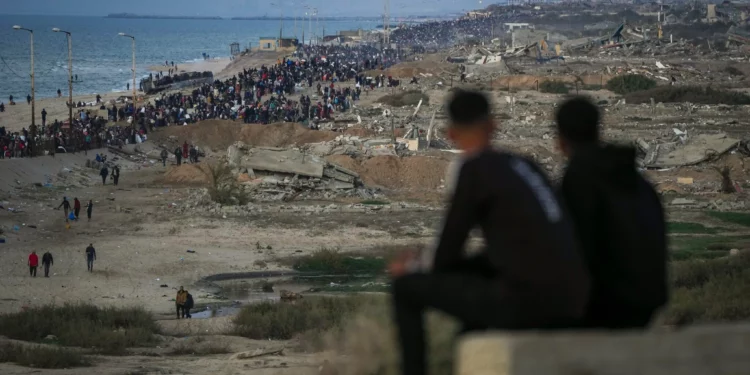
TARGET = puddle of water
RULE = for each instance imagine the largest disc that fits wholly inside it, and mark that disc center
(249, 291)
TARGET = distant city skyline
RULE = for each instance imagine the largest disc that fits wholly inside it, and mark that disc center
(238, 8)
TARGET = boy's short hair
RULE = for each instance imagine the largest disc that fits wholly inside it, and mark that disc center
(578, 120)
(468, 108)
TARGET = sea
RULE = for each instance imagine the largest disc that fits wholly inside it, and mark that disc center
(102, 59)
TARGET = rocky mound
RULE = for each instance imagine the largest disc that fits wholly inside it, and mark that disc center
(217, 135)
(392, 172)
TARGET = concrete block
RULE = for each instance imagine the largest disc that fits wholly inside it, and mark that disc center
(706, 350)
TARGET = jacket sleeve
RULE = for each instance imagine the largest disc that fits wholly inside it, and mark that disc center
(459, 220)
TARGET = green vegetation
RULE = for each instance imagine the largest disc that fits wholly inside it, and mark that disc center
(404, 98)
(283, 321)
(739, 218)
(106, 330)
(681, 227)
(38, 356)
(704, 247)
(710, 290)
(692, 94)
(223, 185)
(554, 87)
(333, 262)
(630, 83)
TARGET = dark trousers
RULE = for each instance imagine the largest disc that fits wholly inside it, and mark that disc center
(32, 271)
(104, 179)
(116, 178)
(90, 264)
(46, 269)
(164, 162)
(77, 211)
(88, 212)
(186, 312)
(180, 311)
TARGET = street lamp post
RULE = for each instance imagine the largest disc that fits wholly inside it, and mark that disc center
(33, 95)
(135, 98)
(70, 73)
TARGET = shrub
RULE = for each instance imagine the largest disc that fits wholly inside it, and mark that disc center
(331, 261)
(198, 346)
(710, 291)
(626, 84)
(739, 218)
(404, 98)
(732, 71)
(554, 87)
(107, 330)
(704, 247)
(38, 356)
(223, 185)
(692, 94)
(283, 321)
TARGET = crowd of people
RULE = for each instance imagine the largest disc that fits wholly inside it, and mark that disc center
(262, 95)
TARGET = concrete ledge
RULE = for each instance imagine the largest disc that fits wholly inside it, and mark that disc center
(705, 350)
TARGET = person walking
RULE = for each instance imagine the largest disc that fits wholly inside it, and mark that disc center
(47, 261)
(76, 207)
(164, 155)
(116, 174)
(188, 305)
(180, 302)
(90, 257)
(28, 99)
(44, 117)
(65, 206)
(178, 155)
(89, 208)
(104, 173)
(33, 263)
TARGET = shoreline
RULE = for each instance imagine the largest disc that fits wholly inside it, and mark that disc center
(213, 65)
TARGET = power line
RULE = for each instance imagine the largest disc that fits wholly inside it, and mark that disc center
(9, 68)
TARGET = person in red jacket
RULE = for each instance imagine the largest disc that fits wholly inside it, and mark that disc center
(76, 207)
(33, 263)
(185, 150)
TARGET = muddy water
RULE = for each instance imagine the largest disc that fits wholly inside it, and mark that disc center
(254, 288)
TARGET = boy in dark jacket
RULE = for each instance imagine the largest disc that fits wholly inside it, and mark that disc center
(530, 274)
(618, 219)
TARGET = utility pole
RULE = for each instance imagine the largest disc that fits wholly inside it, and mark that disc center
(33, 96)
(135, 95)
(69, 37)
(386, 23)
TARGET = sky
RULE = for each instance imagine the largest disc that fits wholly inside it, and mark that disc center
(236, 8)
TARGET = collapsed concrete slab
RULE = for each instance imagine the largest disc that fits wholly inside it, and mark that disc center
(697, 150)
(290, 167)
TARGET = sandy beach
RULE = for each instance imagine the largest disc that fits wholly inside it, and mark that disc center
(214, 66)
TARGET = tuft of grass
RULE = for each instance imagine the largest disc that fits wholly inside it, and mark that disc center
(739, 218)
(554, 87)
(692, 94)
(374, 202)
(682, 227)
(629, 83)
(334, 262)
(199, 347)
(38, 356)
(404, 98)
(710, 291)
(283, 321)
(107, 330)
